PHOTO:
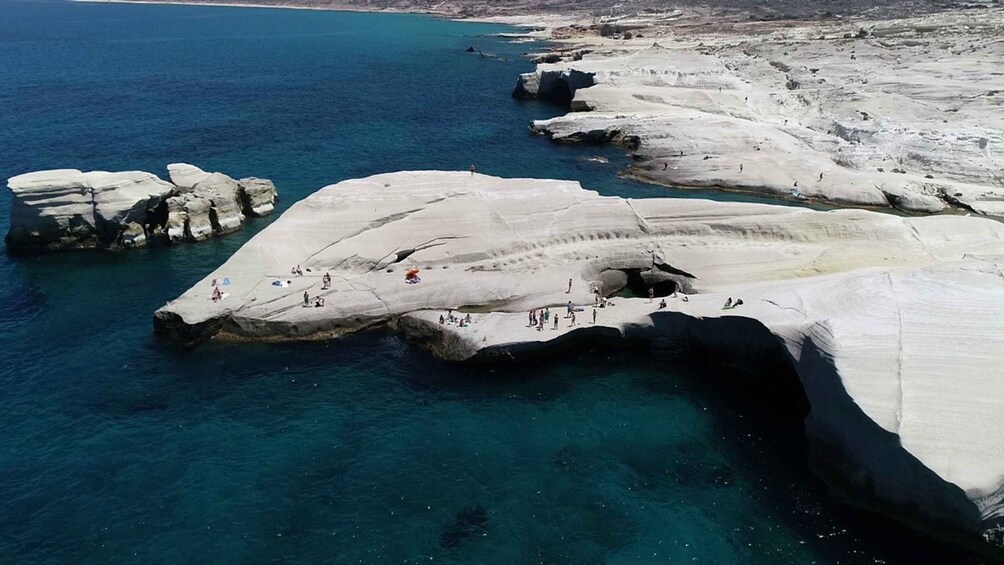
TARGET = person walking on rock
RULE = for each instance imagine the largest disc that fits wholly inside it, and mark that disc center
(569, 310)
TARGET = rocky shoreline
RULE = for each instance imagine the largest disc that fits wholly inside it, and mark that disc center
(903, 113)
(889, 323)
(70, 209)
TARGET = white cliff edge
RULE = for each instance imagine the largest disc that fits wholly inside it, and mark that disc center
(891, 324)
(906, 113)
(71, 209)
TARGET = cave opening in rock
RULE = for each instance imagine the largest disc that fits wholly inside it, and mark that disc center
(561, 93)
(157, 218)
(640, 280)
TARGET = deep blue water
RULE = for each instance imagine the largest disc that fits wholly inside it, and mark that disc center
(117, 448)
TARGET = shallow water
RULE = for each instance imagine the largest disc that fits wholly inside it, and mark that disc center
(119, 448)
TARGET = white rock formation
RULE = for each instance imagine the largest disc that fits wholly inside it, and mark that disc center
(70, 209)
(67, 208)
(185, 176)
(907, 113)
(892, 324)
(257, 196)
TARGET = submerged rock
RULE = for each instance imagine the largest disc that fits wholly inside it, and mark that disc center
(70, 209)
(890, 325)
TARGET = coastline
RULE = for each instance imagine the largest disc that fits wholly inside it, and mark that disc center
(842, 299)
(253, 5)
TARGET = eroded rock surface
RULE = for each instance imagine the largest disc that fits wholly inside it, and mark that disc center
(905, 112)
(70, 209)
(891, 323)
(67, 208)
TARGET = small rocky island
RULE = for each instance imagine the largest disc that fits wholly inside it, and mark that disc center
(888, 327)
(70, 209)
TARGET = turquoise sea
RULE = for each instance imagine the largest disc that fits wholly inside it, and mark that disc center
(116, 448)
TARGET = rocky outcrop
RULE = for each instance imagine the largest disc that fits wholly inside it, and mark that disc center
(70, 209)
(800, 112)
(67, 208)
(890, 323)
(257, 196)
(557, 85)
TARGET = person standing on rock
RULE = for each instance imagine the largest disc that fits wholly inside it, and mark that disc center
(572, 323)
(740, 167)
(473, 170)
(306, 299)
(594, 315)
(569, 310)
(651, 294)
(820, 176)
(569, 291)
(555, 322)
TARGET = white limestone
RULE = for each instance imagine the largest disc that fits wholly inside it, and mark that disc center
(892, 323)
(70, 209)
(257, 196)
(67, 208)
(911, 115)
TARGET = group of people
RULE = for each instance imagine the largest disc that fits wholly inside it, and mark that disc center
(451, 319)
(540, 317)
(297, 271)
(318, 300)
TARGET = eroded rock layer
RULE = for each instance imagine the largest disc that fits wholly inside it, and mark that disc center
(70, 209)
(905, 112)
(891, 323)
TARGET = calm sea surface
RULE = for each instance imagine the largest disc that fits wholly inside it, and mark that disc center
(117, 448)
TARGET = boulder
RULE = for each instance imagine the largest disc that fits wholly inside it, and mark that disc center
(71, 209)
(225, 213)
(198, 225)
(257, 196)
(185, 176)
